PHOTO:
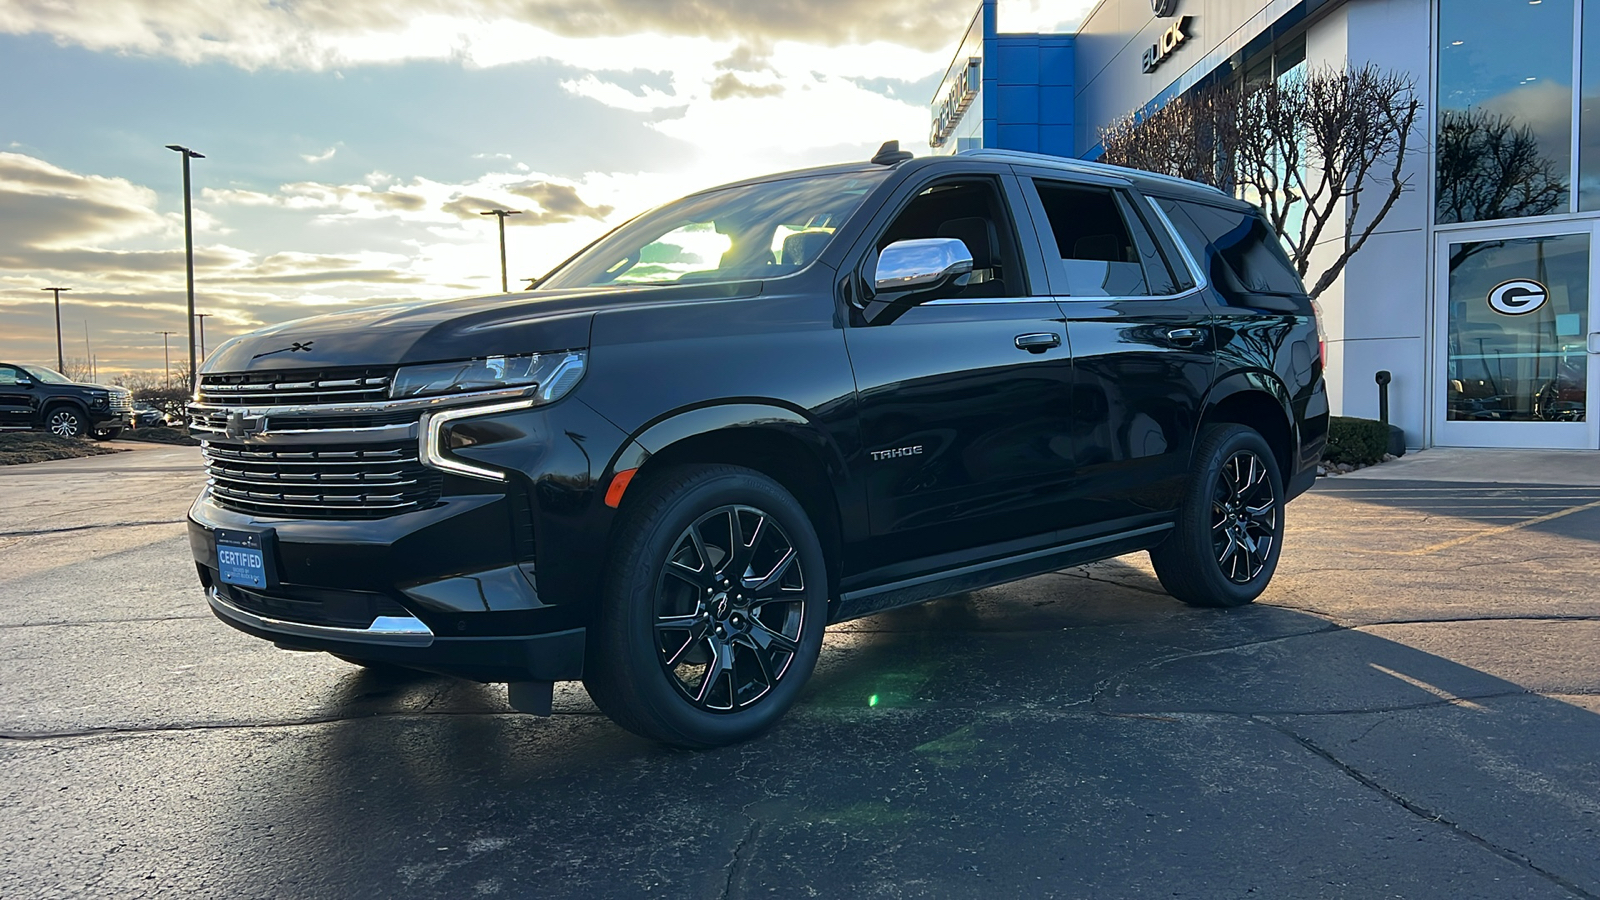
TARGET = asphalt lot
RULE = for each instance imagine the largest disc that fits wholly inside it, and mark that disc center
(1412, 710)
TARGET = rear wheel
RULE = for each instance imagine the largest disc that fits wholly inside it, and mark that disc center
(65, 421)
(713, 613)
(1230, 526)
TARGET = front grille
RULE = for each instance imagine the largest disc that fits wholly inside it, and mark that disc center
(314, 606)
(296, 388)
(215, 421)
(121, 402)
(352, 481)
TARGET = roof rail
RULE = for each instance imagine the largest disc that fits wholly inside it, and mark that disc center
(1081, 165)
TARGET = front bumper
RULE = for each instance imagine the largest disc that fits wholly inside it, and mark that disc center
(439, 589)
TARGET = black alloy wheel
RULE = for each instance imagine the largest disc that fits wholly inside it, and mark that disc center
(730, 608)
(1244, 517)
(1225, 543)
(64, 421)
(713, 609)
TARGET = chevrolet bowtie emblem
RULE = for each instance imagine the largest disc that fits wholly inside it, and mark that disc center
(242, 427)
(295, 347)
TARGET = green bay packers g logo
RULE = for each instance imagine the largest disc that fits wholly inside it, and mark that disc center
(1518, 297)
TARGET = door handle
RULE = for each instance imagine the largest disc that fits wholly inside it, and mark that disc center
(1038, 342)
(1185, 336)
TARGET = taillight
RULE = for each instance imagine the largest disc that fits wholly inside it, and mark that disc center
(1322, 336)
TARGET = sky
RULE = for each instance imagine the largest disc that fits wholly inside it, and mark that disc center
(350, 146)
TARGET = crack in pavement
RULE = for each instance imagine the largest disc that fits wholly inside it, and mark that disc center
(5, 625)
(741, 856)
(67, 528)
(1429, 815)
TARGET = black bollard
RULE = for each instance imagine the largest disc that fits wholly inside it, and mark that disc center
(1383, 378)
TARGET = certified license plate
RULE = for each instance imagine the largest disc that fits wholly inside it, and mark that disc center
(242, 558)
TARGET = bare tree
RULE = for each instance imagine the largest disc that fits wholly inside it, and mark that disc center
(1491, 168)
(1312, 150)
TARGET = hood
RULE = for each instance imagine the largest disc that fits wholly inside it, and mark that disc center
(442, 330)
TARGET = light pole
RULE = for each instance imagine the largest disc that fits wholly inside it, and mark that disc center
(167, 355)
(203, 317)
(61, 358)
(188, 248)
(501, 215)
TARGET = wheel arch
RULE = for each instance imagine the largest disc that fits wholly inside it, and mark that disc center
(777, 441)
(53, 403)
(1260, 401)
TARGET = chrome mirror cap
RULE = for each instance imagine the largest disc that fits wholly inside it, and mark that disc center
(921, 262)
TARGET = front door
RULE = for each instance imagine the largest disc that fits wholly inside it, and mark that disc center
(16, 401)
(1517, 336)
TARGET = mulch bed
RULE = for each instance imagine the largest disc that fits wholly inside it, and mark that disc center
(175, 436)
(33, 446)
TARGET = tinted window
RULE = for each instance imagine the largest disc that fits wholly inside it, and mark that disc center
(8, 375)
(1254, 261)
(1103, 251)
(971, 212)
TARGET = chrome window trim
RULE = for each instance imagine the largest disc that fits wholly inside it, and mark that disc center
(1177, 239)
(403, 631)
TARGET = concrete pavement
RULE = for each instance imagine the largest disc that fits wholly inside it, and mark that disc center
(1412, 710)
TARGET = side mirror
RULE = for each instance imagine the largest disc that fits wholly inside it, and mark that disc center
(24, 381)
(916, 271)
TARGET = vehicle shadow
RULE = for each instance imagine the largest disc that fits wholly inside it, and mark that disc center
(1073, 735)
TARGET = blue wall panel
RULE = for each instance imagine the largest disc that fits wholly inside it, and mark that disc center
(1027, 90)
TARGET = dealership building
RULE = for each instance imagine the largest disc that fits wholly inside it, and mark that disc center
(1477, 291)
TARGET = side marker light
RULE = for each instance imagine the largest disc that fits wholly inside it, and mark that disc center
(619, 483)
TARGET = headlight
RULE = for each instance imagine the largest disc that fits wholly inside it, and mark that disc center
(553, 374)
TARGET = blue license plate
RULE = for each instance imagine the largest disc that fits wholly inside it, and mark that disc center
(242, 558)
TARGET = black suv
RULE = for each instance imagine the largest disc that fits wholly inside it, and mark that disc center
(36, 397)
(761, 409)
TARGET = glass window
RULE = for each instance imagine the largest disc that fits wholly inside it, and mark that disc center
(1518, 330)
(1504, 132)
(1589, 113)
(8, 375)
(1103, 252)
(759, 230)
(1248, 258)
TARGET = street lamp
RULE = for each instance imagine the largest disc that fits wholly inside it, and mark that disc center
(501, 215)
(61, 358)
(167, 355)
(203, 317)
(188, 248)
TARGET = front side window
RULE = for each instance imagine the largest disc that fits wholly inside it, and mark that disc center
(8, 375)
(761, 230)
(1105, 251)
(46, 376)
(1503, 140)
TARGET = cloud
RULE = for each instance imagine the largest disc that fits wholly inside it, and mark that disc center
(728, 85)
(324, 156)
(253, 34)
(541, 201)
(42, 205)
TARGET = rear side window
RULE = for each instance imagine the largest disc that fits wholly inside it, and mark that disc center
(1254, 260)
(1105, 249)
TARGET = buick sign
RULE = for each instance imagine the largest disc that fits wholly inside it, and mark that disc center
(1518, 297)
(1166, 45)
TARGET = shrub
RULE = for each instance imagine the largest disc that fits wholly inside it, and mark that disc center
(1356, 441)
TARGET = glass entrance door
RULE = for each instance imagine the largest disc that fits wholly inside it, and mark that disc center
(1516, 330)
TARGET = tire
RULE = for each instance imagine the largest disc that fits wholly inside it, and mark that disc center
(684, 652)
(107, 434)
(65, 421)
(1230, 524)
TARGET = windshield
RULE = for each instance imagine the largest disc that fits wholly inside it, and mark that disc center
(46, 376)
(754, 231)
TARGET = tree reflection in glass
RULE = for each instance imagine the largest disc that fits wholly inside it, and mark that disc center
(1490, 167)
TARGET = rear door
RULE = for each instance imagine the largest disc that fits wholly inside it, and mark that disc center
(964, 401)
(1142, 344)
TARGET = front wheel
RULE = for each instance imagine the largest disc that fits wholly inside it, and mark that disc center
(64, 421)
(712, 616)
(1230, 524)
